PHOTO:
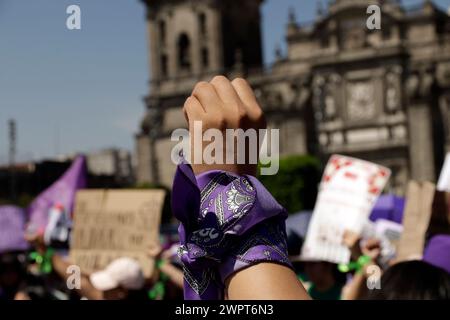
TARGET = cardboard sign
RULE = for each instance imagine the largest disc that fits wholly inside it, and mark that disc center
(113, 224)
(416, 219)
(348, 191)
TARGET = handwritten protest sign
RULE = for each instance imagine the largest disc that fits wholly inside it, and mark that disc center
(416, 218)
(113, 224)
(347, 194)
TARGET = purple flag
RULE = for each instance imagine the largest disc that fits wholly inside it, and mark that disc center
(389, 207)
(12, 227)
(61, 193)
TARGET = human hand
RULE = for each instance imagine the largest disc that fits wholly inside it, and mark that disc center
(351, 240)
(155, 252)
(37, 241)
(371, 248)
(221, 104)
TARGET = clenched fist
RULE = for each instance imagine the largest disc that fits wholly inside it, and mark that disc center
(227, 115)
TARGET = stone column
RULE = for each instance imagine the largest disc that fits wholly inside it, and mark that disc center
(215, 43)
(421, 150)
(143, 152)
(154, 52)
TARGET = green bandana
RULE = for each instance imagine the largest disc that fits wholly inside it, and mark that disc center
(44, 261)
(357, 265)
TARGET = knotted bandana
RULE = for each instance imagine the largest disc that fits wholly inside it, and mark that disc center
(228, 222)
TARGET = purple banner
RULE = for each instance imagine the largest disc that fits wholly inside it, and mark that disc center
(12, 227)
(62, 193)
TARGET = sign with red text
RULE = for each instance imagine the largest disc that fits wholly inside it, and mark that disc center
(347, 194)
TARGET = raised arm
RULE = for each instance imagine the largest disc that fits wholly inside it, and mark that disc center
(60, 267)
(221, 104)
(86, 288)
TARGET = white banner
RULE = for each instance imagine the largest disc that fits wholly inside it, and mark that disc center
(444, 177)
(347, 194)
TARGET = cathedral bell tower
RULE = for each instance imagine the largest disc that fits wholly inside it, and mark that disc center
(194, 37)
(190, 41)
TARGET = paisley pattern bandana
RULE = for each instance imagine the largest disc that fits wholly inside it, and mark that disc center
(228, 222)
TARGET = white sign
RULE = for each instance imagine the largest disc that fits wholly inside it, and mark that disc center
(347, 194)
(444, 177)
(388, 233)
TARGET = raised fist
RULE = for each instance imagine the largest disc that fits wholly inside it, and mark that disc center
(220, 105)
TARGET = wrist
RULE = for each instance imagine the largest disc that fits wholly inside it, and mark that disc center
(217, 210)
(232, 168)
(160, 263)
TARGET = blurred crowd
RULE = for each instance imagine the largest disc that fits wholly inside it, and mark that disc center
(35, 262)
(367, 276)
(45, 273)
(42, 272)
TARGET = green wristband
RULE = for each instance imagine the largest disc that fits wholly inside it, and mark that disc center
(160, 263)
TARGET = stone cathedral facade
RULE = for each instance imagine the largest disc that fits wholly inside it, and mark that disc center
(380, 95)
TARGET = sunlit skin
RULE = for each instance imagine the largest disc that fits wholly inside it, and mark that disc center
(224, 104)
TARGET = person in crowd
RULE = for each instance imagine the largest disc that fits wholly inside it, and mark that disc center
(20, 279)
(413, 280)
(12, 276)
(426, 279)
(122, 279)
(357, 287)
(242, 254)
(322, 279)
(437, 252)
(326, 281)
(168, 275)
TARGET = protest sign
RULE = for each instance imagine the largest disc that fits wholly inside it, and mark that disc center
(347, 194)
(113, 224)
(12, 229)
(388, 234)
(444, 178)
(440, 217)
(416, 218)
(390, 230)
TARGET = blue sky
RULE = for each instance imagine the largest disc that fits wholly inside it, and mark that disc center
(73, 91)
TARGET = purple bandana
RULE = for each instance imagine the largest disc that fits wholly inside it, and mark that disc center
(228, 222)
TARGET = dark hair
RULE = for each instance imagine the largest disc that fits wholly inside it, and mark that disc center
(413, 280)
(294, 244)
(13, 261)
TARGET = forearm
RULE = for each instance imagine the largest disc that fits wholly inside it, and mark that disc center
(175, 275)
(232, 229)
(87, 290)
(265, 281)
(60, 266)
(356, 289)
